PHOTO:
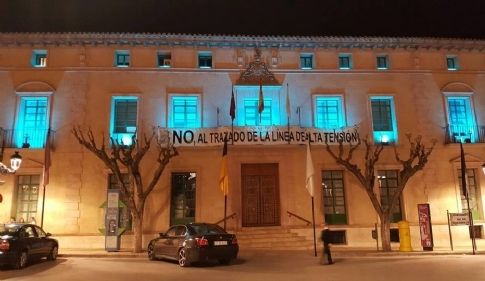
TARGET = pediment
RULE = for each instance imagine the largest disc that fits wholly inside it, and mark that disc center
(257, 73)
(469, 158)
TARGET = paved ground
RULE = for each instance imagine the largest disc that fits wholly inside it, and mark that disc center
(259, 265)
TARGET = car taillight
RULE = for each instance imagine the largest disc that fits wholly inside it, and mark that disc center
(202, 242)
(4, 245)
(234, 241)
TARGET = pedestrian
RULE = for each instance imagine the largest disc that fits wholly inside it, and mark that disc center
(326, 240)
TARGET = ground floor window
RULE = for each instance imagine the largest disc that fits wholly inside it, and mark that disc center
(333, 197)
(388, 187)
(183, 198)
(125, 214)
(473, 194)
(27, 197)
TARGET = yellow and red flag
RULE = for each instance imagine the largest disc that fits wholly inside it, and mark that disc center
(224, 174)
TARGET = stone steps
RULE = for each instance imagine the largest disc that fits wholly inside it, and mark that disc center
(274, 238)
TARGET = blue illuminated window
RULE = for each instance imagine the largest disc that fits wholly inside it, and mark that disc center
(383, 120)
(329, 112)
(164, 59)
(39, 58)
(124, 114)
(345, 61)
(32, 122)
(462, 125)
(122, 58)
(252, 116)
(185, 112)
(306, 61)
(382, 62)
(205, 60)
(452, 62)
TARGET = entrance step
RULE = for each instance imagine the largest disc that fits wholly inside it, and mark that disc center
(275, 238)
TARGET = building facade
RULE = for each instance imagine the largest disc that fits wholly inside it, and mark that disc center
(287, 91)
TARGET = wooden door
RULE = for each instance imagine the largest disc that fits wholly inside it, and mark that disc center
(260, 195)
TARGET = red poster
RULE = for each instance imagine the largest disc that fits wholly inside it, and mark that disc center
(425, 226)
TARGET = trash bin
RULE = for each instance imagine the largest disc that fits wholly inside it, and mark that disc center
(404, 237)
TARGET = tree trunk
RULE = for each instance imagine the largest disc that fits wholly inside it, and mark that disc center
(137, 233)
(385, 233)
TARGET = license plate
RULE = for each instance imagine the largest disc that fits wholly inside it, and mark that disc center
(220, 243)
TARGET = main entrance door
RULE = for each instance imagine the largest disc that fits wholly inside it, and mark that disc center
(260, 195)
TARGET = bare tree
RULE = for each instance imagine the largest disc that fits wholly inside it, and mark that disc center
(118, 156)
(417, 159)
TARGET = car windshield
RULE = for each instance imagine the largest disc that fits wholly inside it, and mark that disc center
(204, 229)
(8, 229)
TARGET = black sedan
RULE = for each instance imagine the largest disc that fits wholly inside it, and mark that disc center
(194, 242)
(20, 242)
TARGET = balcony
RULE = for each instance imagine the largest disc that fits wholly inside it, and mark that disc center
(24, 138)
(465, 134)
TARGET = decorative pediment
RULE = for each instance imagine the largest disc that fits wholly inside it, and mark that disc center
(257, 73)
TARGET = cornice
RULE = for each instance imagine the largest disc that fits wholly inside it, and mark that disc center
(239, 41)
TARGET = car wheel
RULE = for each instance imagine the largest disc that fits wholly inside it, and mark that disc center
(151, 252)
(21, 261)
(224, 261)
(53, 253)
(183, 261)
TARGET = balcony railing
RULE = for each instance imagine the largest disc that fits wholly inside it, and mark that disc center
(25, 138)
(465, 134)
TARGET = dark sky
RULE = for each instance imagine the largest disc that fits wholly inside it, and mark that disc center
(430, 18)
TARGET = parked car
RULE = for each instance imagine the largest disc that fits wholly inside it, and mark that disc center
(20, 242)
(194, 242)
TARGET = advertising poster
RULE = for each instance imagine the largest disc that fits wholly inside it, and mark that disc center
(425, 227)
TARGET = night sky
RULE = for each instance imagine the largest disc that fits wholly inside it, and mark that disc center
(427, 18)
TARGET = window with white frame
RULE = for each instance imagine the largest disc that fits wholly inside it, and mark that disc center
(185, 111)
(329, 112)
(306, 61)
(164, 59)
(461, 121)
(27, 197)
(252, 117)
(122, 58)
(388, 186)
(124, 119)
(333, 197)
(383, 119)
(205, 59)
(32, 122)
(39, 58)
(345, 61)
(382, 62)
(452, 62)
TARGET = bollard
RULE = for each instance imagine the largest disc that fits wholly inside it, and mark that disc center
(404, 237)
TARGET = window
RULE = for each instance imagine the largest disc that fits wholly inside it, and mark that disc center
(252, 116)
(461, 121)
(39, 58)
(164, 59)
(125, 214)
(382, 62)
(387, 180)
(452, 62)
(205, 60)
(333, 197)
(306, 61)
(122, 58)
(185, 111)
(345, 61)
(27, 196)
(473, 194)
(329, 112)
(183, 193)
(124, 111)
(383, 120)
(32, 122)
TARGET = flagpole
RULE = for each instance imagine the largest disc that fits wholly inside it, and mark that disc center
(314, 233)
(42, 211)
(225, 210)
(465, 192)
(288, 109)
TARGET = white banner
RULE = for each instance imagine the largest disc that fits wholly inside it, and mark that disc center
(266, 135)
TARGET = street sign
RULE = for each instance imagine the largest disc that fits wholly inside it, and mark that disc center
(459, 219)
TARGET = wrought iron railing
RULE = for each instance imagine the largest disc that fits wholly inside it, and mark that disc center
(26, 138)
(290, 214)
(465, 134)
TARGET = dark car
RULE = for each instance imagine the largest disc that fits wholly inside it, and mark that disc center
(194, 242)
(21, 242)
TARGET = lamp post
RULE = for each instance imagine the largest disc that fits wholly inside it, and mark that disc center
(15, 161)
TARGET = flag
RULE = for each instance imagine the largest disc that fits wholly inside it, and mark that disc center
(288, 107)
(463, 171)
(309, 170)
(261, 99)
(47, 158)
(232, 109)
(224, 175)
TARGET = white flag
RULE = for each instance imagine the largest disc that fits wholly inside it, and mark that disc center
(309, 171)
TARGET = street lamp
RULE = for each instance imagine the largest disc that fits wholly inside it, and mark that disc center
(15, 161)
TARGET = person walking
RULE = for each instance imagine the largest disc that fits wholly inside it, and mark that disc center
(326, 240)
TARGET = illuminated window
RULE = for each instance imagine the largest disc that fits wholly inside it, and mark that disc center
(124, 114)
(382, 62)
(333, 197)
(32, 122)
(185, 111)
(345, 61)
(452, 62)
(306, 61)
(164, 59)
(473, 194)
(462, 127)
(387, 180)
(329, 112)
(39, 58)
(252, 116)
(27, 197)
(205, 60)
(122, 58)
(383, 120)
